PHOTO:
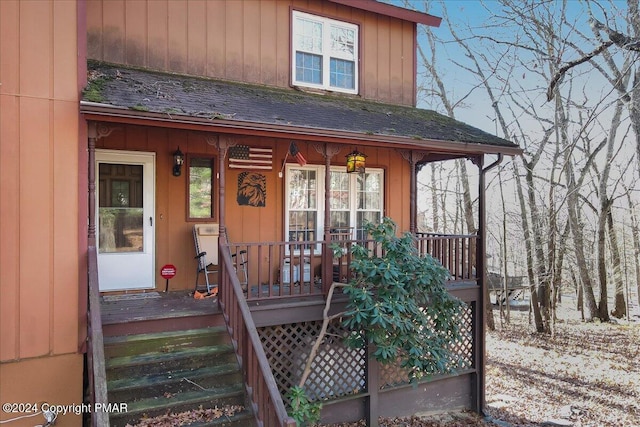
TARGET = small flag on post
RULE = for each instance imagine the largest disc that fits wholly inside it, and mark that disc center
(245, 157)
(296, 154)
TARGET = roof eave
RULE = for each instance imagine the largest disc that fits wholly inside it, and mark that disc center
(110, 113)
(392, 11)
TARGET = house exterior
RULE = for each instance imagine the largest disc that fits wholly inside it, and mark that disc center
(124, 123)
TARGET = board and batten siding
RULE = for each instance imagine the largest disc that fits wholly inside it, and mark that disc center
(39, 204)
(245, 41)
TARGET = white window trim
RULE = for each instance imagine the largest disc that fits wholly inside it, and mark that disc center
(326, 43)
(320, 198)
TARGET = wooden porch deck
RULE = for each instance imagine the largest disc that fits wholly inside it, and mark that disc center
(156, 311)
(160, 311)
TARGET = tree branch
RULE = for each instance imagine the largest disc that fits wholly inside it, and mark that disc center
(323, 331)
(558, 75)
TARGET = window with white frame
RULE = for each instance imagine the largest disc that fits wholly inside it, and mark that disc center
(354, 199)
(325, 53)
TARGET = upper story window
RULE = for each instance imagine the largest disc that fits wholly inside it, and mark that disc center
(325, 53)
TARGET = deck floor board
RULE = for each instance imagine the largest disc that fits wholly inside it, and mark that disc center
(132, 307)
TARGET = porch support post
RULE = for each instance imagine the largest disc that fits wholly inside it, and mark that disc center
(413, 158)
(91, 229)
(224, 142)
(481, 275)
(328, 151)
(95, 132)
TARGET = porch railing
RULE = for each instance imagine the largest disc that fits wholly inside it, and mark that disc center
(95, 345)
(293, 269)
(263, 390)
(457, 253)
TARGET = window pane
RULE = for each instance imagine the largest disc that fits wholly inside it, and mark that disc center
(339, 191)
(200, 187)
(343, 42)
(302, 227)
(120, 219)
(339, 220)
(369, 191)
(302, 189)
(308, 35)
(342, 74)
(373, 217)
(308, 68)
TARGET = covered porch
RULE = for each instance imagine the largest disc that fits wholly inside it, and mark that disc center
(273, 311)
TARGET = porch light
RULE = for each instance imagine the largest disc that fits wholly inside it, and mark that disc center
(178, 161)
(355, 162)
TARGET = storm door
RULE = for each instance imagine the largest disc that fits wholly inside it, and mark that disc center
(125, 219)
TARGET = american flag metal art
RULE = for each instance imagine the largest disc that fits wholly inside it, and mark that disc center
(245, 157)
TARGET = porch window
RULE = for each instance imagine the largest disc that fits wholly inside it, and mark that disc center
(201, 188)
(325, 53)
(353, 198)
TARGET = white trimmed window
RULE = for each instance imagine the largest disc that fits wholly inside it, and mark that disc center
(325, 53)
(354, 199)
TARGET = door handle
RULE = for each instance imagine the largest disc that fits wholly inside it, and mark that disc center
(151, 221)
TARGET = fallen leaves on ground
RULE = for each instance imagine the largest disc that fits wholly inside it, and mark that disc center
(198, 415)
(585, 375)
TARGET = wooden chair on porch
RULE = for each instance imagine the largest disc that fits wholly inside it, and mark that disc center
(205, 238)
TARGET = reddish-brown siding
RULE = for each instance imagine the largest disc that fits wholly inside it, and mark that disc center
(245, 41)
(174, 241)
(39, 255)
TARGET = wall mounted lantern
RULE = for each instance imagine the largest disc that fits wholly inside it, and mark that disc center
(355, 162)
(178, 161)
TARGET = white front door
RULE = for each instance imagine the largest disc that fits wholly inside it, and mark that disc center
(125, 219)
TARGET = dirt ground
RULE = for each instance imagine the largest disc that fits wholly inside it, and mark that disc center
(586, 375)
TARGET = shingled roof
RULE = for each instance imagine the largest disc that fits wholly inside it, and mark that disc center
(180, 97)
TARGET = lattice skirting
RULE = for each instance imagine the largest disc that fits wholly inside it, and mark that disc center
(338, 370)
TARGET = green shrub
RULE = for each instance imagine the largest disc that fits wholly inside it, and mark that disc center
(398, 303)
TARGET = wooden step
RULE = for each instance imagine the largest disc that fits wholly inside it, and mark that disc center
(164, 342)
(158, 362)
(172, 372)
(131, 389)
(154, 406)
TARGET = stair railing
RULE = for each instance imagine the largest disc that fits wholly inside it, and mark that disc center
(265, 397)
(97, 375)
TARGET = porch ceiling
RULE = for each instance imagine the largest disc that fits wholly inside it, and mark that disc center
(118, 93)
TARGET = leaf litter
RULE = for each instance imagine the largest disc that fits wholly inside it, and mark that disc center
(585, 375)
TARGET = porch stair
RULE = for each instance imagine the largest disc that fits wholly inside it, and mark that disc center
(172, 372)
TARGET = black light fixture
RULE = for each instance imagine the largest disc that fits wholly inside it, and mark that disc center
(178, 161)
(356, 162)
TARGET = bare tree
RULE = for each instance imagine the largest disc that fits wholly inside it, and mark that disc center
(609, 38)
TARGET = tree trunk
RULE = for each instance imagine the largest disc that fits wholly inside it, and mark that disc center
(579, 298)
(603, 306)
(620, 307)
(635, 233)
(578, 245)
(528, 245)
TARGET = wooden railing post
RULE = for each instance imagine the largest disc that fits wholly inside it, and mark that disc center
(95, 353)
